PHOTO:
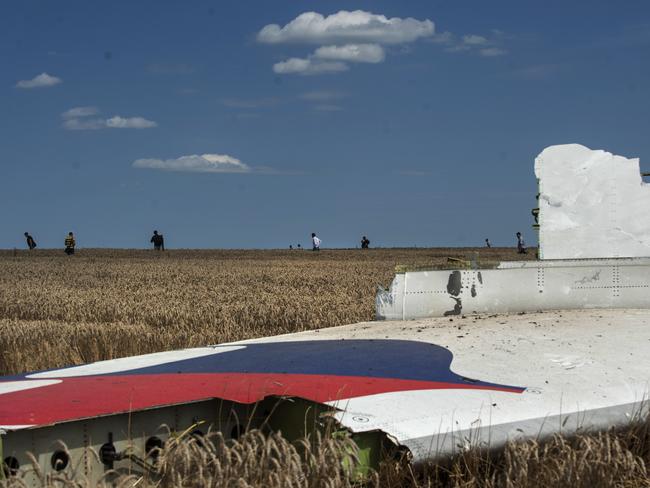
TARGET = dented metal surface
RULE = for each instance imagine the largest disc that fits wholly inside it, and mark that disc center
(517, 287)
(118, 405)
(580, 370)
(592, 204)
(434, 385)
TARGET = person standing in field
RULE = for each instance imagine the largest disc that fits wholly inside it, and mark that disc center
(365, 243)
(158, 241)
(31, 243)
(315, 242)
(487, 242)
(521, 245)
(70, 243)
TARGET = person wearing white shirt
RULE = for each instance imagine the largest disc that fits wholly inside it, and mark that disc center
(315, 241)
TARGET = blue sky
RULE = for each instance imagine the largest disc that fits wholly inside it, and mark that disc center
(414, 123)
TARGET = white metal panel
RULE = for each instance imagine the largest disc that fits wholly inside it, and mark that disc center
(518, 287)
(581, 369)
(591, 204)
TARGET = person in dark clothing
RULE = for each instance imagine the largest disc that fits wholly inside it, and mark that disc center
(365, 242)
(521, 245)
(31, 243)
(535, 213)
(158, 241)
(70, 243)
(487, 242)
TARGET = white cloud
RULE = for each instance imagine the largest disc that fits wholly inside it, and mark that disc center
(39, 81)
(456, 48)
(325, 100)
(443, 38)
(331, 59)
(78, 119)
(346, 27)
(359, 37)
(118, 122)
(204, 163)
(492, 52)
(482, 45)
(474, 40)
(356, 53)
(345, 37)
(292, 65)
(84, 124)
(308, 66)
(79, 112)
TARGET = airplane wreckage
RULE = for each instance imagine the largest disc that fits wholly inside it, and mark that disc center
(472, 356)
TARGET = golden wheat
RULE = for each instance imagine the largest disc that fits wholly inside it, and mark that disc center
(57, 310)
(616, 458)
(100, 304)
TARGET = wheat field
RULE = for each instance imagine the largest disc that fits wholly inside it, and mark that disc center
(57, 311)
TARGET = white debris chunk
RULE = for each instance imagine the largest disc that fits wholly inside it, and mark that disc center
(592, 204)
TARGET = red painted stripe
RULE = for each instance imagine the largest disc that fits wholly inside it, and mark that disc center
(83, 397)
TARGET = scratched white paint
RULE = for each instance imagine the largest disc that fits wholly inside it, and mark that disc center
(581, 369)
(593, 204)
(519, 286)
